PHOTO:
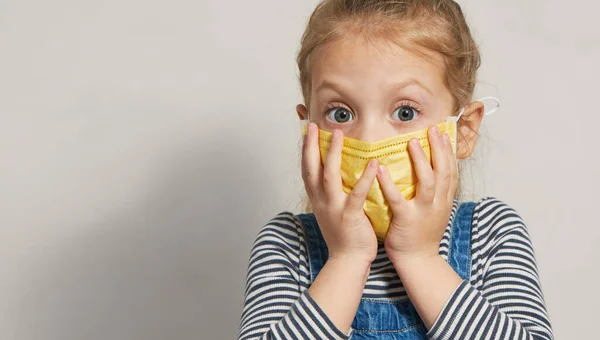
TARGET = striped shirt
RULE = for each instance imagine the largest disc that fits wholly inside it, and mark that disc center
(503, 299)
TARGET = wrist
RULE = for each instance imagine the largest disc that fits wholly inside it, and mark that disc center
(358, 261)
(412, 256)
(406, 262)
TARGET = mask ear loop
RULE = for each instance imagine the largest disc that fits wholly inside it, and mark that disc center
(487, 111)
(304, 125)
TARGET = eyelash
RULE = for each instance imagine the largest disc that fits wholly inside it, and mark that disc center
(412, 105)
(332, 106)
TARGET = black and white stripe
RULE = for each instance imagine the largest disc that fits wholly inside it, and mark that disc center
(503, 300)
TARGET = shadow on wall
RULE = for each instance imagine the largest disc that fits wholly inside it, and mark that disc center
(165, 268)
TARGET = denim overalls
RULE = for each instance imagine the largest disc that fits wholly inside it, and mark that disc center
(392, 319)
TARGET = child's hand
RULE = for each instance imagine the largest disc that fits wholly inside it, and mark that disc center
(418, 225)
(345, 227)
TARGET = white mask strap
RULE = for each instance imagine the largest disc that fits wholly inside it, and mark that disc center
(494, 105)
(304, 125)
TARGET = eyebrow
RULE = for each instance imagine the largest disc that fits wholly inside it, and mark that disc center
(410, 82)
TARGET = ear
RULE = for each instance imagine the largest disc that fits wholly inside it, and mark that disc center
(302, 112)
(468, 129)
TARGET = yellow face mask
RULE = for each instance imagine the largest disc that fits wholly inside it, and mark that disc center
(394, 155)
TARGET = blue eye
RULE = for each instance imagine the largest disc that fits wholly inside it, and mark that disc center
(405, 113)
(340, 115)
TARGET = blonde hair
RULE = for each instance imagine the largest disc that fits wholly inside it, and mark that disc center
(427, 27)
(437, 26)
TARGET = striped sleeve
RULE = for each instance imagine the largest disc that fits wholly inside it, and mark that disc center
(508, 302)
(275, 306)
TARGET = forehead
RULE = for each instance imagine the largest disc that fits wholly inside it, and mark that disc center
(358, 58)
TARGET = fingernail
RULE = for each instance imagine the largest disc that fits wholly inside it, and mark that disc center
(415, 142)
(335, 135)
(435, 130)
(446, 139)
(373, 163)
(311, 128)
(381, 170)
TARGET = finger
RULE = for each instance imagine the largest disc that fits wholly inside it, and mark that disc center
(425, 176)
(393, 196)
(440, 164)
(332, 181)
(358, 195)
(452, 164)
(311, 161)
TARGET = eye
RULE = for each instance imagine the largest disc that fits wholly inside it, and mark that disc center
(405, 113)
(340, 115)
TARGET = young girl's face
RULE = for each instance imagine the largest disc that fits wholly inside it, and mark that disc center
(373, 90)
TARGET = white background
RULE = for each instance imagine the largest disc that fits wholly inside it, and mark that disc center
(143, 144)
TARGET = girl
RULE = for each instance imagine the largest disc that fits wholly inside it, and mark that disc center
(389, 253)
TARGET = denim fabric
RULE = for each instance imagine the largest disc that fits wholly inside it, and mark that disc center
(393, 319)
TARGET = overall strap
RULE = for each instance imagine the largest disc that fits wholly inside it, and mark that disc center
(459, 250)
(315, 244)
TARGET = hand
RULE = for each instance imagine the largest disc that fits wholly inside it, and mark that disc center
(345, 227)
(418, 225)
